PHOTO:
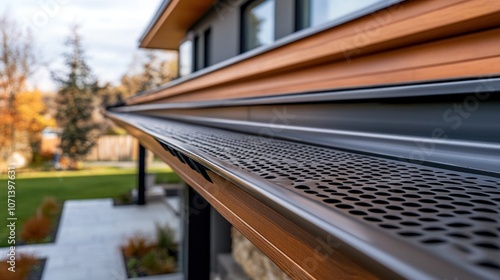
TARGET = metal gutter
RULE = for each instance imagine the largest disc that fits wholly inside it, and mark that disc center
(436, 88)
(400, 219)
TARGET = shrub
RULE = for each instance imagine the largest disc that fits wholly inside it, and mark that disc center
(49, 207)
(36, 229)
(165, 237)
(24, 264)
(39, 227)
(131, 267)
(124, 198)
(144, 257)
(47, 155)
(157, 262)
(137, 246)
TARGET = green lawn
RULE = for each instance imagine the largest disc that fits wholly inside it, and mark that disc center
(31, 188)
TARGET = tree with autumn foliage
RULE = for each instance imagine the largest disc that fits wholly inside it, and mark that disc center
(18, 59)
(31, 118)
(27, 116)
(75, 100)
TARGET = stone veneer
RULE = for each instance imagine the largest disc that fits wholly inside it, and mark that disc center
(255, 263)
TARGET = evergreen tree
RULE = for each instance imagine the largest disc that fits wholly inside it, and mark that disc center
(75, 101)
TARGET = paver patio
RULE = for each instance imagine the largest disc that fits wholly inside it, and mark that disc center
(89, 237)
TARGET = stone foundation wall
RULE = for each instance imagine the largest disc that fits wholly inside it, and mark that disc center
(255, 263)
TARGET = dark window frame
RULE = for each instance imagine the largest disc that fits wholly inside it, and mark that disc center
(299, 15)
(207, 49)
(196, 56)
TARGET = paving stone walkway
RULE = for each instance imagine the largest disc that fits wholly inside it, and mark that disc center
(89, 237)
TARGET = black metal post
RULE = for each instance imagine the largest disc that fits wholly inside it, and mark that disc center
(141, 187)
(196, 253)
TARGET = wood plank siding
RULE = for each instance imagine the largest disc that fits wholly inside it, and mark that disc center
(409, 42)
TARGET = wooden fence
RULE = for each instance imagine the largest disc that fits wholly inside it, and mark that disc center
(114, 148)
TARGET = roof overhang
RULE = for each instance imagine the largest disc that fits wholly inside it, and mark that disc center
(171, 23)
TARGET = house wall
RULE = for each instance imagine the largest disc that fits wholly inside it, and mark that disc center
(224, 19)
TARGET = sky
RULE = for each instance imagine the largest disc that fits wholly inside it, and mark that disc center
(110, 31)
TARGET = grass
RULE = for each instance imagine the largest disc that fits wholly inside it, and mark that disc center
(33, 187)
(90, 171)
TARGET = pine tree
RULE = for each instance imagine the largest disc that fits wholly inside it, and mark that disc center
(75, 101)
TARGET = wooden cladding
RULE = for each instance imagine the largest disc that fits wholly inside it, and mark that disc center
(467, 56)
(301, 254)
(410, 42)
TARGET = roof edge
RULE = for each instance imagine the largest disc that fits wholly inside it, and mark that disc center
(154, 20)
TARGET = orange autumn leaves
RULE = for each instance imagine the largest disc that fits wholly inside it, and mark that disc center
(30, 109)
(24, 115)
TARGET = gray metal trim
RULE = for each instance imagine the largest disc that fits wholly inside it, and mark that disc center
(279, 43)
(324, 120)
(480, 85)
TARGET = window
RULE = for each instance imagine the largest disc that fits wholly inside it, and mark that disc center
(196, 57)
(207, 37)
(315, 12)
(258, 24)
(186, 58)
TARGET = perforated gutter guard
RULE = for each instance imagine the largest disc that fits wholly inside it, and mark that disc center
(417, 222)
